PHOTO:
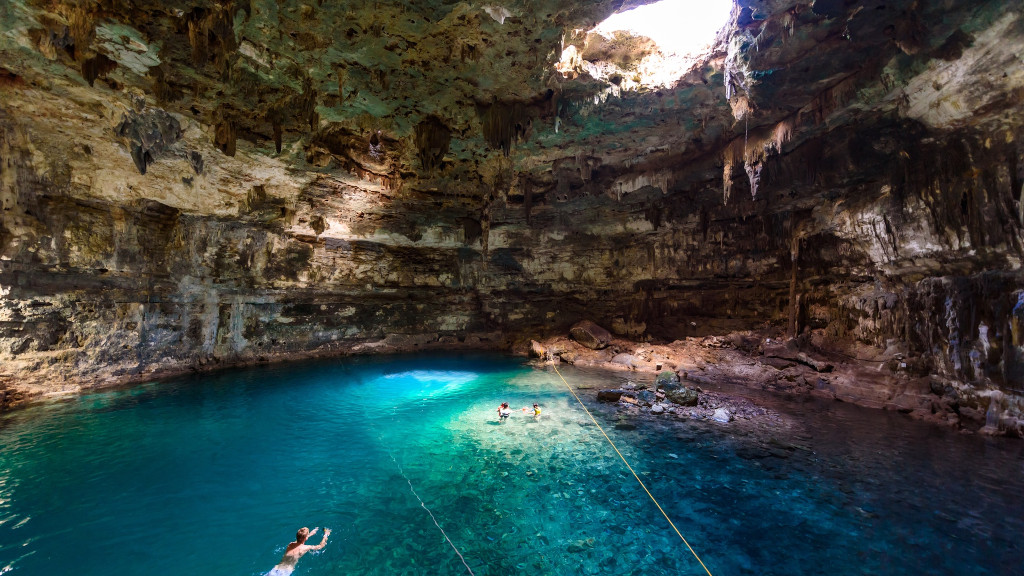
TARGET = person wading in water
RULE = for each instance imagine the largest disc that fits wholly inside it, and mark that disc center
(296, 549)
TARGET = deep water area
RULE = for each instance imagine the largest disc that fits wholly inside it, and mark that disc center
(213, 474)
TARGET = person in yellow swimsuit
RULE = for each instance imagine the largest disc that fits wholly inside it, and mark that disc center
(536, 410)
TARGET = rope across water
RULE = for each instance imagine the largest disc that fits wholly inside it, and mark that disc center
(642, 485)
(424, 505)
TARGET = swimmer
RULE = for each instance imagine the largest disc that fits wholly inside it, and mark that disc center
(503, 411)
(296, 549)
(536, 410)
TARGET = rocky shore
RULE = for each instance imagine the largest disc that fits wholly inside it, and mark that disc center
(686, 372)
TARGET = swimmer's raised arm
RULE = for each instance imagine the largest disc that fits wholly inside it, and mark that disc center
(327, 532)
(313, 531)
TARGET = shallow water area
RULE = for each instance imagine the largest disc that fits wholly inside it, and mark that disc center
(213, 474)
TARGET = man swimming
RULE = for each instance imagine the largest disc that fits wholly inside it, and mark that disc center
(296, 549)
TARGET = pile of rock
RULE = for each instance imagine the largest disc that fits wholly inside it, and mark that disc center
(670, 396)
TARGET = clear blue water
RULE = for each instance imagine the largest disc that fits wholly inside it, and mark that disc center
(212, 475)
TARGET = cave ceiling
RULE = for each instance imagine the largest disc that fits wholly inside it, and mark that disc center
(465, 99)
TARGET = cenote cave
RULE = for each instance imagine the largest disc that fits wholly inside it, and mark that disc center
(514, 287)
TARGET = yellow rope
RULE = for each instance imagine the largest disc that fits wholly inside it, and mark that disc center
(642, 485)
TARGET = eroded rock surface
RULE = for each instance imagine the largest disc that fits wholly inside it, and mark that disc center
(197, 184)
(686, 374)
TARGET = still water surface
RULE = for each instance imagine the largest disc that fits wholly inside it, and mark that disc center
(213, 474)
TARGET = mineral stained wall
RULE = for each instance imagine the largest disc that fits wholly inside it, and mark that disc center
(190, 184)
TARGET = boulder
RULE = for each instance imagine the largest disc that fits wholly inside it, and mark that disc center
(819, 365)
(657, 408)
(667, 380)
(721, 415)
(624, 359)
(682, 396)
(537, 350)
(567, 357)
(590, 335)
(609, 395)
(646, 397)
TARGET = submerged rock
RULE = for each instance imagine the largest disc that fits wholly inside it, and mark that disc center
(683, 396)
(609, 395)
(646, 397)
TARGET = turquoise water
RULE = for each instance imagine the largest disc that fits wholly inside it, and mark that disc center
(212, 475)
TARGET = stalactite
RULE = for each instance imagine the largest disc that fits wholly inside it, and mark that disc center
(468, 52)
(376, 146)
(584, 165)
(788, 21)
(277, 136)
(342, 73)
(730, 155)
(255, 198)
(224, 137)
(741, 107)
(505, 124)
(726, 182)
(198, 36)
(833, 98)
(379, 77)
(82, 29)
(196, 160)
(216, 25)
(527, 197)
(432, 140)
(97, 66)
(1020, 206)
(754, 150)
(141, 157)
(909, 32)
(782, 133)
(754, 176)
(794, 298)
(318, 224)
(307, 104)
(162, 88)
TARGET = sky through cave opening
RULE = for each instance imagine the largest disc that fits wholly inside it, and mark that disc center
(648, 46)
(679, 27)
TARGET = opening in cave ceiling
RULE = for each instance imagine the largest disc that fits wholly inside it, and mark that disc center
(647, 46)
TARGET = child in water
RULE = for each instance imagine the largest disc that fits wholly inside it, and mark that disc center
(503, 411)
(536, 410)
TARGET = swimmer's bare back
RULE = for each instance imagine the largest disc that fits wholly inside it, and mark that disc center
(296, 550)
